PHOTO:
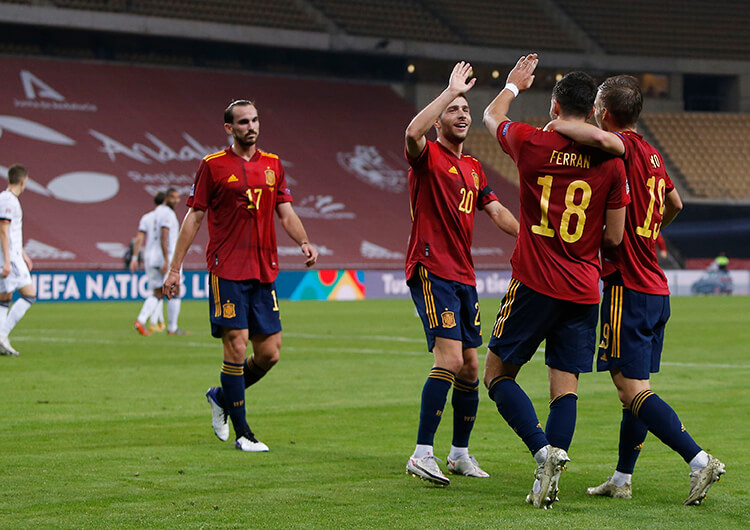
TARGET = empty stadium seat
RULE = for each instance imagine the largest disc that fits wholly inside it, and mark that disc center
(709, 149)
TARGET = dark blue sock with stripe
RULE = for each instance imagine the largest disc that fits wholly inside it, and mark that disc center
(465, 403)
(664, 423)
(632, 435)
(253, 372)
(233, 394)
(434, 395)
(515, 406)
(561, 422)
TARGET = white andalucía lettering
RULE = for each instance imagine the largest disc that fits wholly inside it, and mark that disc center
(158, 151)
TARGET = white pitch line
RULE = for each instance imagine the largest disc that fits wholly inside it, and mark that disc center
(363, 351)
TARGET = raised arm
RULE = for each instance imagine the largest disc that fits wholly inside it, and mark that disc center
(502, 217)
(423, 122)
(188, 231)
(587, 134)
(292, 225)
(520, 78)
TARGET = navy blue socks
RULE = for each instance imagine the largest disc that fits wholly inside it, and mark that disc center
(561, 422)
(434, 395)
(515, 406)
(465, 403)
(663, 422)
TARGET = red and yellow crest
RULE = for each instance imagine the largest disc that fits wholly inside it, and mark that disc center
(270, 177)
(476, 179)
(449, 319)
(228, 310)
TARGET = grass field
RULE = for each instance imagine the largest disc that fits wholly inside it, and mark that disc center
(104, 428)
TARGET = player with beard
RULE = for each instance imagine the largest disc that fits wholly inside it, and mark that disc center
(238, 190)
(446, 187)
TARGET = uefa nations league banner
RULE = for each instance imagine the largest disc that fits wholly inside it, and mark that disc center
(92, 286)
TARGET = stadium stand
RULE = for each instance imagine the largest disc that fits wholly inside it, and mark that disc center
(273, 13)
(680, 28)
(517, 24)
(397, 19)
(709, 150)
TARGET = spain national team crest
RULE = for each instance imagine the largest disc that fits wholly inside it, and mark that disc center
(270, 177)
(449, 319)
(476, 179)
(228, 310)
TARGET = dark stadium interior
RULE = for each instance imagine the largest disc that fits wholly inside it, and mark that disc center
(692, 58)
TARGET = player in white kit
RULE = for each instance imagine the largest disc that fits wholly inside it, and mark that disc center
(160, 228)
(15, 275)
(147, 238)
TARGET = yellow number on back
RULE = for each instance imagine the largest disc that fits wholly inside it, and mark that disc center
(571, 208)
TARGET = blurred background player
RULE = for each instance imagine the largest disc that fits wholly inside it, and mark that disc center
(446, 187)
(239, 189)
(168, 228)
(15, 275)
(636, 308)
(149, 239)
(569, 193)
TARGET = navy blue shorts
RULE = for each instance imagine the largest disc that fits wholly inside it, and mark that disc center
(632, 331)
(246, 304)
(448, 309)
(527, 317)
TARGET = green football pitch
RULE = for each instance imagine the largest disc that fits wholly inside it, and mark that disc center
(104, 428)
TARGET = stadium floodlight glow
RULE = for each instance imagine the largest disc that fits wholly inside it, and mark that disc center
(411, 68)
(558, 77)
(495, 74)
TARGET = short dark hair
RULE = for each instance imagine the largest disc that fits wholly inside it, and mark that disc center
(170, 190)
(621, 95)
(228, 112)
(159, 198)
(575, 93)
(16, 173)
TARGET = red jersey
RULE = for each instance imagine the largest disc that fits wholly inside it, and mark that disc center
(240, 199)
(444, 192)
(566, 189)
(635, 258)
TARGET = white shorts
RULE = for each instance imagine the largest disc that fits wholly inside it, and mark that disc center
(19, 276)
(155, 277)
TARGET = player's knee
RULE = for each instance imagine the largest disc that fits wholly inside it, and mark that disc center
(470, 370)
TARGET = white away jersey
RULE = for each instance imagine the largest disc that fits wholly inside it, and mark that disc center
(10, 210)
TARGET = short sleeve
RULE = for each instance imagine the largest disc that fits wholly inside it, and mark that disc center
(143, 223)
(512, 135)
(200, 192)
(6, 208)
(283, 193)
(486, 194)
(619, 193)
(421, 160)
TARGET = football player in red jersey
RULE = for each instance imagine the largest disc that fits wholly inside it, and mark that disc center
(573, 201)
(635, 308)
(239, 190)
(446, 187)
